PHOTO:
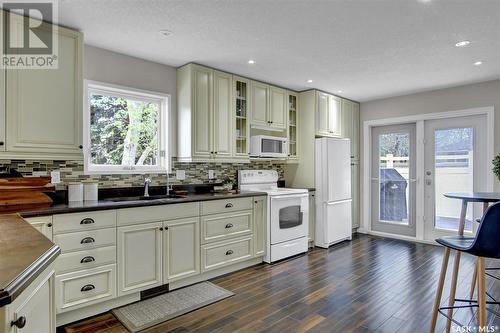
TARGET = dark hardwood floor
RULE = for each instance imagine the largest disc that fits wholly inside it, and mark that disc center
(368, 285)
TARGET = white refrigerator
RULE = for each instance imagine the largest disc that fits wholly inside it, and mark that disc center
(333, 191)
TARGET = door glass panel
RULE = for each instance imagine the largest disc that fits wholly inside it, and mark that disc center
(453, 165)
(290, 217)
(394, 171)
(272, 146)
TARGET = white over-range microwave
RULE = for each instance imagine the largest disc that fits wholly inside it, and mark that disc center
(268, 146)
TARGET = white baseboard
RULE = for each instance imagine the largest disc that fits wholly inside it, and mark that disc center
(400, 237)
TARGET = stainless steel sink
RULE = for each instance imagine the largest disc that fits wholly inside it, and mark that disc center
(143, 198)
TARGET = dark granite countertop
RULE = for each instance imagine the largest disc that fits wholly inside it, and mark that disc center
(24, 254)
(84, 206)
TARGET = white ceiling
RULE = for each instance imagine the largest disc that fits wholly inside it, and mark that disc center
(369, 49)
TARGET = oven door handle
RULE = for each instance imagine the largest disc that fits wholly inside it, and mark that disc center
(290, 196)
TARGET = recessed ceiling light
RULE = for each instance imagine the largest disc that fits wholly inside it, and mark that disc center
(251, 62)
(462, 43)
(309, 81)
(478, 63)
(166, 32)
(339, 91)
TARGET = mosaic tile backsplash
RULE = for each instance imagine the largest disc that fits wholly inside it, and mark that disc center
(196, 173)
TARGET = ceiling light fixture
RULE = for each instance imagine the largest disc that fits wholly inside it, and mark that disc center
(478, 63)
(340, 91)
(251, 62)
(309, 81)
(166, 32)
(462, 43)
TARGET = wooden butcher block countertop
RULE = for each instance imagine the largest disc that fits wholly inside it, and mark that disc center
(24, 254)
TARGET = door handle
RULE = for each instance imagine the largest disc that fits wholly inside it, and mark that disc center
(87, 287)
(428, 182)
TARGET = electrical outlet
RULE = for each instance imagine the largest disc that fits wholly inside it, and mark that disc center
(211, 174)
(180, 174)
(56, 177)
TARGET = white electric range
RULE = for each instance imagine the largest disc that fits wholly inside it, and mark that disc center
(287, 213)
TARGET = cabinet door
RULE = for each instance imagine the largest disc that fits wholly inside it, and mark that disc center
(259, 103)
(181, 249)
(260, 232)
(347, 121)
(139, 257)
(334, 116)
(355, 131)
(202, 104)
(223, 115)
(43, 224)
(2, 109)
(312, 215)
(44, 106)
(355, 194)
(37, 306)
(278, 108)
(322, 114)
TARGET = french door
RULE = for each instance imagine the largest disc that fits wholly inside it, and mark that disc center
(393, 179)
(455, 161)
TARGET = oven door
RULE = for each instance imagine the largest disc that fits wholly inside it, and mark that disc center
(289, 217)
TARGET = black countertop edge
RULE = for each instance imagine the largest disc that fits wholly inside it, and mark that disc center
(23, 280)
(86, 206)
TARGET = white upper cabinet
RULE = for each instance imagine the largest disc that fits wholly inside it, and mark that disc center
(328, 115)
(334, 116)
(278, 108)
(350, 125)
(202, 115)
(205, 114)
(322, 114)
(44, 106)
(260, 104)
(2, 110)
(223, 115)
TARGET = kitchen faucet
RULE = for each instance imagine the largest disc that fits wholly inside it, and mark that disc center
(147, 181)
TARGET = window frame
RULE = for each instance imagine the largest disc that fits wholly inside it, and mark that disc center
(164, 100)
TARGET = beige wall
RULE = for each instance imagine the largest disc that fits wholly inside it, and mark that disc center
(450, 99)
(111, 67)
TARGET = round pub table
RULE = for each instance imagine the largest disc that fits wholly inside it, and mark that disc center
(486, 198)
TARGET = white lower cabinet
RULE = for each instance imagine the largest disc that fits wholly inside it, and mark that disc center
(181, 249)
(222, 254)
(312, 216)
(259, 220)
(139, 257)
(34, 309)
(43, 224)
(82, 288)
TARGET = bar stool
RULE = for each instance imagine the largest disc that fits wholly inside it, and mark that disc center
(484, 245)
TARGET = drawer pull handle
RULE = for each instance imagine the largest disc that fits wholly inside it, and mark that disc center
(229, 225)
(229, 205)
(87, 240)
(87, 220)
(87, 287)
(87, 259)
(19, 322)
(229, 252)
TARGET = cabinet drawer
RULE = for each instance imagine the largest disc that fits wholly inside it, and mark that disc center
(223, 226)
(223, 254)
(79, 260)
(85, 240)
(74, 290)
(167, 212)
(225, 205)
(84, 221)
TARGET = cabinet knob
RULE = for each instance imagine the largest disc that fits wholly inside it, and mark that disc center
(87, 220)
(1, 143)
(161, 228)
(229, 252)
(229, 205)
(87, 259)
(80, 146)
(87, 240)
(229, 225)
(19, 322)
(49, 225)
(87, 287)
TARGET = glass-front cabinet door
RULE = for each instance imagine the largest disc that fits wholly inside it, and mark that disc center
(241, 108)
(293, 153)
